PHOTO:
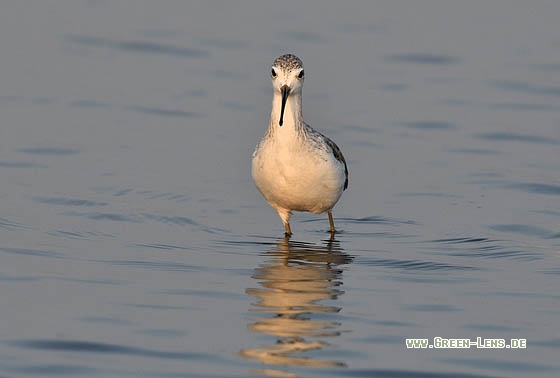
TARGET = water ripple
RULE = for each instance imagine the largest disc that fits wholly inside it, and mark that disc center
(162, 32)
(178, 221)
(7, 99)
(515, 294)
(85, 235)
(497, 252)
(434, 307)
(429, 125)
(181, 221)
(399, 373)
(12, 278)
(545, 67)
(554, 271)
(7, 224)
(415, 265)
(147, 47)
(106, 320)
(201, 93)
(91, 281)
(89, 104)
(106, 216)
(514, 137)
(393, 87)
(378, 220)
(491, 328)
(154, 265)
(58, 151)
(20, 164)
(158, 246)
(358, 129)
(26, 100)
(382, 339)
(163, 332)
(159, 48)
(526, 230)
(482, 248)
(302, 36)
(360, 28)
(523, 106)
(122, 192)
(537, 188)
(393, 323)
(205, 294)
(461, 240)
(225, 74)
(519, 86)
(426, 194)
(237, 106)
(548, 212)
(105, 348)
(247, 243)
(163, 112)
(550, 343)
(32, 252)
(54, 370)
(165, 195)
(222, 43)
(86, 40)
(423, 58)
(67, 201)
(156, 307)
(495, 364)
(475, 151)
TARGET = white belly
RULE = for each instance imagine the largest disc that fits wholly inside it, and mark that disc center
(300, 180)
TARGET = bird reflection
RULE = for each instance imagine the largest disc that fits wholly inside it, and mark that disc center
(294, 280)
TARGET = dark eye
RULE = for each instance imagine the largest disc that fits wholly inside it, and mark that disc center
(300, 76)
(273, 73)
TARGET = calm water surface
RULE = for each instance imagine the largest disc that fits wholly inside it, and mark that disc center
(133, 242)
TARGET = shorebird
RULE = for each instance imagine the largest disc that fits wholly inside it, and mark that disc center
(295, 167)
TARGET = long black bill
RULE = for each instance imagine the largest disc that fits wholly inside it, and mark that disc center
(285, 92)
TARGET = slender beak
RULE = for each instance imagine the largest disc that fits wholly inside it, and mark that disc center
(285, 92)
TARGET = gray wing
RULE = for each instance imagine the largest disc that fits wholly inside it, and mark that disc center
(338, 156)
(317, 137)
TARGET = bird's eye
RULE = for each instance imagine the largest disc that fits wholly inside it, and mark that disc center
(273, 73)
(300, 76)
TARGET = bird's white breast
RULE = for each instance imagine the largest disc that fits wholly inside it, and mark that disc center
(298, 176)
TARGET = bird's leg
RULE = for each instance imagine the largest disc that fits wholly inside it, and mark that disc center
(288, 230)
(285, 216)
(331, 222)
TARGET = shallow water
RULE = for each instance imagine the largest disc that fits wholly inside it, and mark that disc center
(134, 243)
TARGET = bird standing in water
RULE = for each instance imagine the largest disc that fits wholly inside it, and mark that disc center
(295, 167)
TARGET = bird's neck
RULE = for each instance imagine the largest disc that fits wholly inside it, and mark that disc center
(292, 125)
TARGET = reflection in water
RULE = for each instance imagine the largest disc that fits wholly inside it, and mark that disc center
(294, 280)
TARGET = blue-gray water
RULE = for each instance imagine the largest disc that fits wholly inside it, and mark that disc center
(133, 242)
